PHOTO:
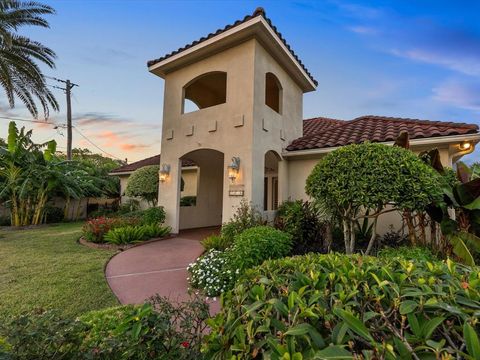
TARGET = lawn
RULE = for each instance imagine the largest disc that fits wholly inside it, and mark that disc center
(47, 268)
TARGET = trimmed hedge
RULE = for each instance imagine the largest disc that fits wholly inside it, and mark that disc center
(322, 306)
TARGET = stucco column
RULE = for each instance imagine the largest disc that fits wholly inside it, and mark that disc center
(169, 193)
(282, 181)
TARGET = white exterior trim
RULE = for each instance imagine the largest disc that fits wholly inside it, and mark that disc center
(227, 33)
(414, 142)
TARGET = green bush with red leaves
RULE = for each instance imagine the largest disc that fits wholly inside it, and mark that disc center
(95, 229)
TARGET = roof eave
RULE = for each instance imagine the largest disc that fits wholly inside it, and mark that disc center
(256, 27)
(475, 138)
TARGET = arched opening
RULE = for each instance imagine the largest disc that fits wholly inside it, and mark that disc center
(270, 185)
(273, 92)
(205, 91)
(208, 207)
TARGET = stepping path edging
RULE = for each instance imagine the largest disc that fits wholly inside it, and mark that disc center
(160, 267)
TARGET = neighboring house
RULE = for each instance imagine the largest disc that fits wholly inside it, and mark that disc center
(189, 176)
(246, 133)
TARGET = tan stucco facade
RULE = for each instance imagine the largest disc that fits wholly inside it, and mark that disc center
(239, 123)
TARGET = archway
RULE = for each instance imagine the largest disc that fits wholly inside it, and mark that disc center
(270, 185)
(207, 209)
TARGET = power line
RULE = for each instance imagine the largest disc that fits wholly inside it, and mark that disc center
(27, 120)
(91, 142)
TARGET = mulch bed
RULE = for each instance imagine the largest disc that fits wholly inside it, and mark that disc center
(93, 245)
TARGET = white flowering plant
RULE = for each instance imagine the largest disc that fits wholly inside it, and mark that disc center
(212, 273)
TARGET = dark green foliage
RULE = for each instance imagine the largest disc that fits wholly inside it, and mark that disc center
(216, 271)
(188, 201)
(134, 234)
(153, 215)
(216, 242)
(54, 214)
(155, 330)
(244, 218)
(417, 254)
(257, 244)
(5, 221)
(43, 335)
(318, 306)
(393, 239)
(143, 183)
(301, 219)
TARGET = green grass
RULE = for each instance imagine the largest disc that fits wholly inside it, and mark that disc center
(47, 268)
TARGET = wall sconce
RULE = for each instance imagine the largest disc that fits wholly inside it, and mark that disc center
(465, 145)
(164, 172)
(234, 168)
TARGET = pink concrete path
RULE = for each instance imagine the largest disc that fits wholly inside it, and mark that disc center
(158, 267)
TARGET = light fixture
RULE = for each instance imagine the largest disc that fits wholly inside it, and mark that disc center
(234, 168)
(164, 172)
(465, 145)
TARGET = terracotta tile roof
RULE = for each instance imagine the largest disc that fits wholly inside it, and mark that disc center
(153, 160)
(258, 12)
(325, 132)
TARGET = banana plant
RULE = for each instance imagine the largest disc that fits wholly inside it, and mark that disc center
(462, 195)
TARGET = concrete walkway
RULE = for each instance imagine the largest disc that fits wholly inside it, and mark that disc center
(159, 267)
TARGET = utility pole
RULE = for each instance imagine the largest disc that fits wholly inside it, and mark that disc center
(68, 91)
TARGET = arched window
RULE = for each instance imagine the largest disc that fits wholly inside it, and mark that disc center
(204, 91)
(273, 93)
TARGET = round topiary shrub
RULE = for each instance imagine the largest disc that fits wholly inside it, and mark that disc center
(344, 307)
(143, 183)
(373, 177)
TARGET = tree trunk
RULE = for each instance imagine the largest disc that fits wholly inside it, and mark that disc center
(374, 235)
(407, 215)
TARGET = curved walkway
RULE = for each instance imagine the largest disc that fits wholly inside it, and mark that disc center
(159, 267)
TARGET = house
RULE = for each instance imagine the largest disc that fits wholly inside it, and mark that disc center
(233, 105)
(189, 178)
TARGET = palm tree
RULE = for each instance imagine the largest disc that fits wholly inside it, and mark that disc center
(20, 75)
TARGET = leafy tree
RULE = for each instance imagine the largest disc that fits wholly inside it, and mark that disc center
(29, 174)
(20, 75)
(368, 180)
(143, 183)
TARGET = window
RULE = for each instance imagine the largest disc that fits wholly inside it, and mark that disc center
(273, 92)
(205, 91)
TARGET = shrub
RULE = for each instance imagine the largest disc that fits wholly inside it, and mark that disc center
(143, 183)
(393, 239)
(369, 176)
(53, 214)
(216, 271)
(216, 242)
(155, 330)
(188, 201)
(95, 229)
(135, 234)
(257, 244)
(153, 215)
(301, 219)
(42, 335)
(5, 221)
(418, 254)
(317, 306)
(212, 273)
(244, 218)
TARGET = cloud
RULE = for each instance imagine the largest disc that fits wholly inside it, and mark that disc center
(460, 93)
(130, 147)
(363, 30)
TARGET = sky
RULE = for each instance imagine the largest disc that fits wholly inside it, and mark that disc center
(417, 59)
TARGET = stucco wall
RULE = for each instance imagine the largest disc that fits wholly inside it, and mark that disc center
(208, 208)
(190, 179)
